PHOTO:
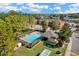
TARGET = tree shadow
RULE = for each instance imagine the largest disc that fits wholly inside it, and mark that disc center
(50, 46)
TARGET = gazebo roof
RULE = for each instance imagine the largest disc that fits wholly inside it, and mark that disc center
(50, 34)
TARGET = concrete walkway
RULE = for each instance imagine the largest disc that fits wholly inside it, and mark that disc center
(68, 50)
(74, 54)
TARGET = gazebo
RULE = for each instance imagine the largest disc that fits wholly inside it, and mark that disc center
(52, 37)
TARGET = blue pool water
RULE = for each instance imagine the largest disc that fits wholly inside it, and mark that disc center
(33, 37)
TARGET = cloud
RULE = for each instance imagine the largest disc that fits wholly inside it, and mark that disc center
(11, 8)
(34, 10)
(74, 5)
(31, 5)
(40, 8)
(3, 5)
(23, 7)
(57, 8)
(31, 10)
(7, 6)
(19, 3)
(73, 8)
(59, 4)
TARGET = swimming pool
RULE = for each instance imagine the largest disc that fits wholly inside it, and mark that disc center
(33, 37)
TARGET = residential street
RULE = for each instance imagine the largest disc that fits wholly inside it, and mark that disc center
(75, 44)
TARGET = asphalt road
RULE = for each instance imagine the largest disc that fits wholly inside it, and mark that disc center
(75, 42)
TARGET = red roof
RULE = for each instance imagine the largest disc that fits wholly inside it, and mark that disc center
(62, 23)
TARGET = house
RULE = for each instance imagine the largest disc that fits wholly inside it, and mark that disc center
(73, 24)
(38, 27)
(61, 23)
(52, 37)
(70, 18)
(47, 18)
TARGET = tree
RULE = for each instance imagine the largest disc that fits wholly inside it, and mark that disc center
(54, 25)
(31, 20)
(18, 22)
(12, 12)
(65, 33)
(8, 28)
(44, 25)
(77, 28)
(7, 39)
(60, 43)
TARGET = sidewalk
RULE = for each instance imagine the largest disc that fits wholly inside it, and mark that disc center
(68, 50)
(74, 54)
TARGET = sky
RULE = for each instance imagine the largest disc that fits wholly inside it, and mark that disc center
(40, 8)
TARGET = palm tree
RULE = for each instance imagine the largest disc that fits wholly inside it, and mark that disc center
(65, 33)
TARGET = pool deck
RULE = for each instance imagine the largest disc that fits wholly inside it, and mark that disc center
(28, 35)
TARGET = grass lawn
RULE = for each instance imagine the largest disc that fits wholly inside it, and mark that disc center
(38, 48)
